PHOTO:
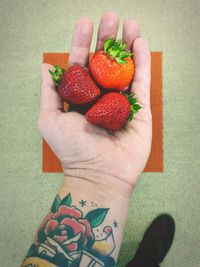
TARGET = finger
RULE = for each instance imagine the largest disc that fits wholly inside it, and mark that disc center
(108, 27)
(131, 30)
(81, 41)
(49, 98)
(141, 82)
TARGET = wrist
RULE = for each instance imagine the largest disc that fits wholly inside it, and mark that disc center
(105, 191)
(98, 182)
(88, 196)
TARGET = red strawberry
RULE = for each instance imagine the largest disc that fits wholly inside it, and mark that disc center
(112, 68)
(75, 86)
(112, 111)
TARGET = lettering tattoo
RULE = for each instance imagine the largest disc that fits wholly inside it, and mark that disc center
(66, 238)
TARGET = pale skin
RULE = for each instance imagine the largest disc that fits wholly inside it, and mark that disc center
(94, 161)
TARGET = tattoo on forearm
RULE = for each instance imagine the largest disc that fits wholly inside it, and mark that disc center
(68, 237)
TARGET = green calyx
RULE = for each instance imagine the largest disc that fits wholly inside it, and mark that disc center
(135, 107)
(57, 74)
(116, 50)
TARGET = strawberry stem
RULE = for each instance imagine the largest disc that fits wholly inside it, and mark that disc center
(116, 50)
(135, 107)
(57, 74)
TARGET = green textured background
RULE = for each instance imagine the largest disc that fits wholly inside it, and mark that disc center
(28, 28)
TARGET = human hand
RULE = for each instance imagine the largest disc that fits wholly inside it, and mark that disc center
(89, 152)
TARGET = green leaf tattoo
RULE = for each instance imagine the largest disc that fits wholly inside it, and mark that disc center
(55, 204)
(96, 217)
(67, 200)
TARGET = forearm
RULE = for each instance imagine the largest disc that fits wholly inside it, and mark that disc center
(85, 224)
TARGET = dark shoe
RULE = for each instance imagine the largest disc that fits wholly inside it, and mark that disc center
(155, 243)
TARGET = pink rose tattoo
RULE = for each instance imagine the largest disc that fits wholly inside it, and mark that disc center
(65, 224)
(66, 238)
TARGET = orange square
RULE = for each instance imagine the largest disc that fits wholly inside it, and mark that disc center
(50, 162)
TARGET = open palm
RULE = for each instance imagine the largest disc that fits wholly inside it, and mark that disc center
(90, 152)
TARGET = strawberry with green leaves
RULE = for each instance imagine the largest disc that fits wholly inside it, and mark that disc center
(113, 110)
(113, 67)
(75, 86)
